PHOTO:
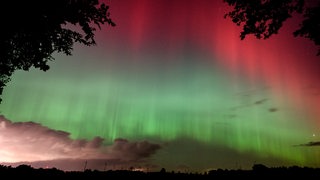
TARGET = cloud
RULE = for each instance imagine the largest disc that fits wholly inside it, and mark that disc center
(253, 92)
(272, 109)
(312, 143)
(29, 141)
(260, 101)
(134, 150)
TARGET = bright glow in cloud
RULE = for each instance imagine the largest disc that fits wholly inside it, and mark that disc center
(29, 141)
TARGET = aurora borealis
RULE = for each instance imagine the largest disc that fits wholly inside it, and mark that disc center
(175, 73)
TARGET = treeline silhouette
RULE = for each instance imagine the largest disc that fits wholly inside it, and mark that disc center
(257, 171)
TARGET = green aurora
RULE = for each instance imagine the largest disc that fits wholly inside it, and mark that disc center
(181, 95)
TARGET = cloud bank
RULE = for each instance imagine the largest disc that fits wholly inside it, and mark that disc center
(32, 142)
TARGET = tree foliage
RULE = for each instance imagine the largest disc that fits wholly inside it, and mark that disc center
(263, 18)
(32, 30)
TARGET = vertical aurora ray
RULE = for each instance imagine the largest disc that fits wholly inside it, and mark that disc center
(179, 72)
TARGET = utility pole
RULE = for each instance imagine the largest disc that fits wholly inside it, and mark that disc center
(85, 165)
(105, 166)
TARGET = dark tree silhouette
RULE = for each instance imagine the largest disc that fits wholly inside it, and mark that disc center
(32, 30)
(263, 18)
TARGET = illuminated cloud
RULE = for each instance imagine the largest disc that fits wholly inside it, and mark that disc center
(29, 141)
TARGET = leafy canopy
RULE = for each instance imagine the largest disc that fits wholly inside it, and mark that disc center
(263, 18)
(32, 30)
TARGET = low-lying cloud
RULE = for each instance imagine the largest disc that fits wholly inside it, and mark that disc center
(30, 142)
(312, 143)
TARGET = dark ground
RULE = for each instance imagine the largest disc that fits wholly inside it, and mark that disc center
(258, 171)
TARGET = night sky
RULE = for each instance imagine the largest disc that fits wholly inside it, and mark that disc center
(172, 85)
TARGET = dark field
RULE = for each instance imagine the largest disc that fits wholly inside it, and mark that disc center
(258, 172)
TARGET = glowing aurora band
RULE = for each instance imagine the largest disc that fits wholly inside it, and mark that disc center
(143, 89)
